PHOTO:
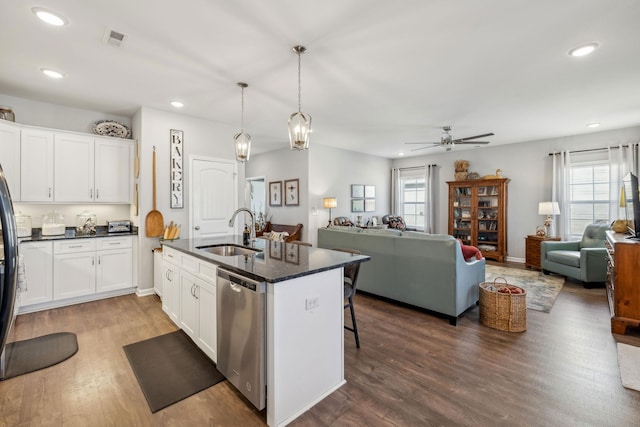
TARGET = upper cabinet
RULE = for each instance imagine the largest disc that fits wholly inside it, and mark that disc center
(73, 168)
(36, 165)
(10, 156)
(84, 168)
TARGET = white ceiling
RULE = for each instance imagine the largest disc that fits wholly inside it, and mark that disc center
(376, 74)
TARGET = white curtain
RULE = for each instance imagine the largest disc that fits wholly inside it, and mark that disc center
(622, 160)
(396, 192)
(429, 201)
(560, 194)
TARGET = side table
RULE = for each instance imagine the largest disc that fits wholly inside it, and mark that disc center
(532, 250)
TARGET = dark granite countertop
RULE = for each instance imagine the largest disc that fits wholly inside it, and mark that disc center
(70, 233)
(275, 261)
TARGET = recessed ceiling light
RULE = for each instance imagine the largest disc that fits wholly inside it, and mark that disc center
(400, 154)
(49, 16)
(177, 104)
(593, 125)
(583, 50)
(52, 73)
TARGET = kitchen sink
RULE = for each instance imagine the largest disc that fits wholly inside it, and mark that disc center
(228, 250)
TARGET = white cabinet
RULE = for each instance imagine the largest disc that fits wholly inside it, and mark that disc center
(189, 297)
(83, 167)
(189, 304)
(73, 168)
(74, 268)
(115, 263)
(10, 156)
(113, 176)
(36, 165)
(38, 268)
(157, 271)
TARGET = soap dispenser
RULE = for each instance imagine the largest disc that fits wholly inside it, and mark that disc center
(246, 236)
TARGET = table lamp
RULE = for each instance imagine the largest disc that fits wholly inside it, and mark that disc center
(549, 209)
(329, 203)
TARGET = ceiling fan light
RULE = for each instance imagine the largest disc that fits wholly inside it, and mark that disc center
(583, 50)
(299, 130)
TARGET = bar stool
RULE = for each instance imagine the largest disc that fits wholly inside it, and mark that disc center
(350, 282)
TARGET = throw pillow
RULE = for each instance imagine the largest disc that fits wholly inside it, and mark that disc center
(396, 222)
(279, 236)
(470, 252)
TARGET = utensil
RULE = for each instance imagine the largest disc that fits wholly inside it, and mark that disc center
(154, 223)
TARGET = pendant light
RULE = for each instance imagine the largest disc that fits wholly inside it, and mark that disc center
(299, 123)
(242, 140)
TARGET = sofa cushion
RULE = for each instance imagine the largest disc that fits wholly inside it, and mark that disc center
(571, 258)
(383, 231)
(594, 236)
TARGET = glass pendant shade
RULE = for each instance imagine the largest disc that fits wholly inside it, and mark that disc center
(299, 129)
(243, 146)
(299, 123)
(242, 140)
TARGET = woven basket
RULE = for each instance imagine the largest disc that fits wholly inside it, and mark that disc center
(504, 311)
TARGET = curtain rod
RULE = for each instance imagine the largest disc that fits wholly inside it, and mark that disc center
(586, 151)
(414, 167)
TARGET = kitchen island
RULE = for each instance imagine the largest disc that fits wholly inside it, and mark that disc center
(304, 355)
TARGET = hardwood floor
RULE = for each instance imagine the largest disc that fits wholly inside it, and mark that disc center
(413, 369)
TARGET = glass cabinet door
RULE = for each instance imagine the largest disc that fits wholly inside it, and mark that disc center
(488, 217)
(462, 214)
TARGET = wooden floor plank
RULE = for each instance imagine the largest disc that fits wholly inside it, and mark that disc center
(413, 369)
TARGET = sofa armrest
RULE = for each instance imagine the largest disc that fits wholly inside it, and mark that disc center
(572, 245)
(593, 264)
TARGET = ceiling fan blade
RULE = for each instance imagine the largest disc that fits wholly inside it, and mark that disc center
(472, 137)
(433, 143)
(473, 142)
(422, 148)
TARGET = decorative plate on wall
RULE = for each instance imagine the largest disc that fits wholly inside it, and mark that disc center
(111, 128)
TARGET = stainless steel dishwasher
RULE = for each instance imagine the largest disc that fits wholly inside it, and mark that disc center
(241, 335)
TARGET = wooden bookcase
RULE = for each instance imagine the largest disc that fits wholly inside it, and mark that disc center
(478, 215)
(623, 291)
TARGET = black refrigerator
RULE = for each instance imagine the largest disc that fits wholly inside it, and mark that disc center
(8, 268)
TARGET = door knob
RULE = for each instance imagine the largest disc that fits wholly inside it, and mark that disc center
(197, 227)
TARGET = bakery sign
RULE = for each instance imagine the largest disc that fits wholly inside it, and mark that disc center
(177, 196)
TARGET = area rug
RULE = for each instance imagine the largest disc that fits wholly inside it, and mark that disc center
(629, 363)
(22, 357)
(542, 290)
(170, 368)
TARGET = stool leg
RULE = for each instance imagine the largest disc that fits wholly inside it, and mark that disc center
(353, 322)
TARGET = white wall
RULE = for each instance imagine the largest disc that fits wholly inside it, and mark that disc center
(282, 165)
(527, 164)
(202, 138)
(43, 114)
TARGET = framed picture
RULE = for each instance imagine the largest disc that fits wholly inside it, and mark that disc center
(482, 191)
(369, 205)
(357, 205)
(292, 253)
(369, 191)
(177, 196)
(292, 192)
(275, 249)
(275, 193)
(357, 191)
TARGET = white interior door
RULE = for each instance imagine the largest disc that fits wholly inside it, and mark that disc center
(213, 196)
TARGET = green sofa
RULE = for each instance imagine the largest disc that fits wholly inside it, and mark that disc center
(422, 270)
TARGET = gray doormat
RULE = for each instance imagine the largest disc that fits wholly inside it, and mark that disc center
(38, 353)
(170, 368)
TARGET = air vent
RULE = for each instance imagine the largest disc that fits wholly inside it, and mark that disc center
(114, 38)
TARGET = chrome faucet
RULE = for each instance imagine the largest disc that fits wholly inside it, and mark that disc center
(252, 230)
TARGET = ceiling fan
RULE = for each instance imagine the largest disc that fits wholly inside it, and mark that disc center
(447, 141)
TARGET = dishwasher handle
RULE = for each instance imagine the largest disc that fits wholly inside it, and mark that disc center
(237, 282)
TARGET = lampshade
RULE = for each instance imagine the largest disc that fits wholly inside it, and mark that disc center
(623, 197)
(330, 202)
(242, 140)
(299, 122)
(548, 208)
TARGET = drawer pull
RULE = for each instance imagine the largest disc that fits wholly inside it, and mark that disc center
(75, 246)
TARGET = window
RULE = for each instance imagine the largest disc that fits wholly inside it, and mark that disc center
(412, 190)
(588, 194)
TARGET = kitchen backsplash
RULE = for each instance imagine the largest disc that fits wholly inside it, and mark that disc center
(103, 212)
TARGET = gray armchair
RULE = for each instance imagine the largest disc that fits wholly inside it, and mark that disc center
(584, 260)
